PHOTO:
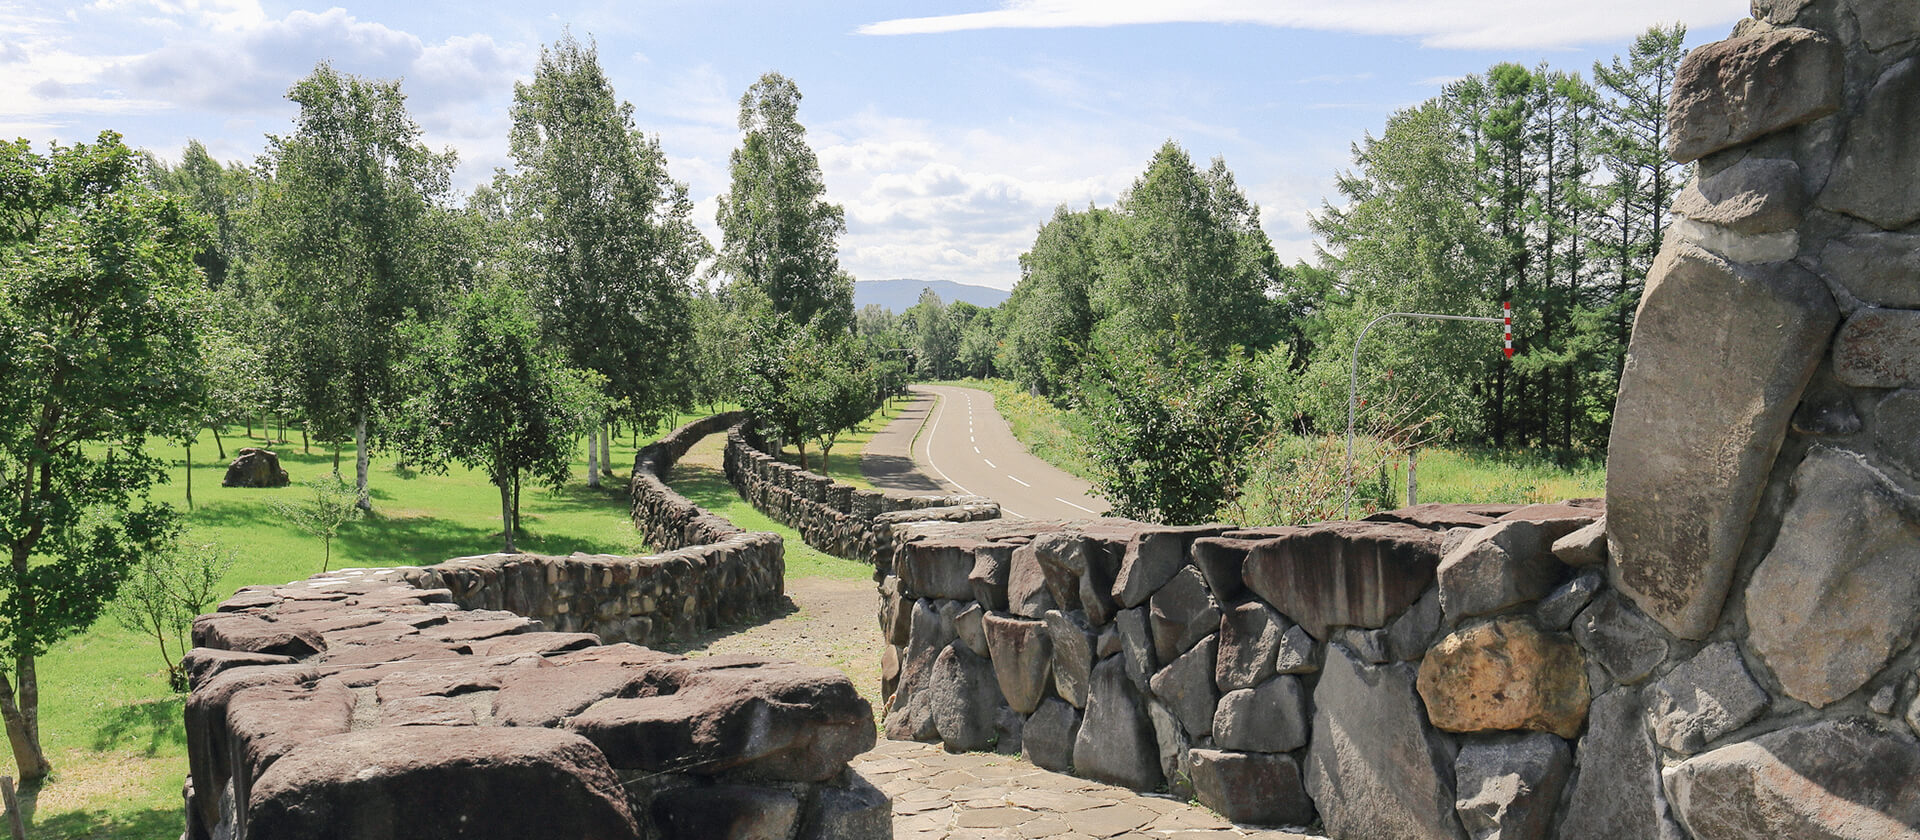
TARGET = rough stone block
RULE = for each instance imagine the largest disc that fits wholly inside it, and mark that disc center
(1181, 614)
(1408, 637)
(1881, 269)
(1839, 593)
(1022, 654)
(1753, 196)
(1704, 698)
(1256, 788)
(728, 812)
(1271, 717)
(1558, 609)
(1219, 560)
(1619, 638)
(1172, 741)
(1027, 593)
(1505, 675)
(1879, 348)
(1136, 645)
(1879, 162)
(1151, 559)
(1374, 770)
(1585, 547)
(1250, 633)
(1049, 736)
(1073, 643)
(1732, 91)
(1358, 574)
(1295, 655)
(969, 625)
(992, 565)
(1719, 358)
(1826, 780)
(1495, 568)
(515, 782)
(966, 699)
(1896, 428)
(934, 568)
(1116, 742)
(1616, 792)
(858, 811)
(1509, 786)
(1186, 686)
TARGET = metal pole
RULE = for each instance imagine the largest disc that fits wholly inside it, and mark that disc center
(1353, 380)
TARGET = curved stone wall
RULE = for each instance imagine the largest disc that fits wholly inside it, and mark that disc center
(836, 518)
(498, 696)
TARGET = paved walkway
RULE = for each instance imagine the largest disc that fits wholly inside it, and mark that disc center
(887, 461)
(942, 796)
(963, 443)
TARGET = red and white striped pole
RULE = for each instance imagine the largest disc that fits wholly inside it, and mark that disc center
(1506, 310)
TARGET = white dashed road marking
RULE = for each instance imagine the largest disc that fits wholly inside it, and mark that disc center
(1019, 482)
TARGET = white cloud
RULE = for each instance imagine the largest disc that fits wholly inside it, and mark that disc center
(1461, 24)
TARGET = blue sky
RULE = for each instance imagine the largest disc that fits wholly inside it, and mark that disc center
(949, 130)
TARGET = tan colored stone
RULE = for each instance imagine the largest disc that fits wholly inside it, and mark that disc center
(1735, 90)
(1503, 675)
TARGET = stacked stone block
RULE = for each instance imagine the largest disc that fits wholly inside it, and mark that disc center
(476, 699)
(836, 518)
(1412, 675)
(1764, 473)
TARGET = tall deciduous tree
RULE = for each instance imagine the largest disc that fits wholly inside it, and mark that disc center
(492, 398)
(1050, 317)
(612, 242)
(351, 230)
(99, 306)
(1186, 252)
(777, 230)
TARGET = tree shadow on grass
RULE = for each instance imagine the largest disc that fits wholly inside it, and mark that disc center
(703, 485)
(144, 726)
(131, 824)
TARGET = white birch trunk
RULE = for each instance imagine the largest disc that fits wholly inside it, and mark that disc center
(606, 451)
(593, 456)
(361, 459)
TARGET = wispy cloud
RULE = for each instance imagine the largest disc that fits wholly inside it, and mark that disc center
(1459, 24)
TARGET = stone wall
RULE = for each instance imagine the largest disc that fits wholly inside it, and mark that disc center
(836, 518)
(501, 697)
(1764, 472)
(1729, 653)
(1425, 673)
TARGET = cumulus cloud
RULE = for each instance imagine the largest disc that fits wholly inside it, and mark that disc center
(1461, 24)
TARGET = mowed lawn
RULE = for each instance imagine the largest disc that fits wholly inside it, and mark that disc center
(108, 720)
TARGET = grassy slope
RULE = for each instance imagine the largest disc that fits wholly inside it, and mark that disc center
(844, 463)
(1053, 434)
(108, 720)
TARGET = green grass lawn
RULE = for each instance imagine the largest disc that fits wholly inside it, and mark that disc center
(843, 464)
(108, 720)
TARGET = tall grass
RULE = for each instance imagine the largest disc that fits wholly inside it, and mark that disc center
(1051, 433)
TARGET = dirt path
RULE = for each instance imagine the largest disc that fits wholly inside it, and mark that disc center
(937, 795)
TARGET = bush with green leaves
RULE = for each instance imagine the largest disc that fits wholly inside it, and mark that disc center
(330, 503)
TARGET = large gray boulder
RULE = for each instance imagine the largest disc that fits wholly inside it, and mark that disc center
(1879, 162)
(1181, 614)
(1116, 742)
(1828, 780)
(1616, 792)
(1757, 195)
(253, 467)
(1509, 785)
(1618, 637)
(1732, 91)
(1693, 443)
(910, 716)
(1374, 769)
(1027, 594)
(858, 811)
(1839, 593)
(520, 781)
(1049, 736)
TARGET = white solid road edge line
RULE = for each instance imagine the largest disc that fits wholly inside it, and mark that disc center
(1082, 507)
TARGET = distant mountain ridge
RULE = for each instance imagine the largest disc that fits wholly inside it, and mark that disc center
(900, 294)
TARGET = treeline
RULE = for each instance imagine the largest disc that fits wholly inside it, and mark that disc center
(1168, 319)
(338, 286)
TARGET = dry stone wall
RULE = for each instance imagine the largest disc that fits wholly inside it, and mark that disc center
(1730, 652)
(836, 518)
(503, 697)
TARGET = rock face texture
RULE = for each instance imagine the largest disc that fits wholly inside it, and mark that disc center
(1834, 779)
(1372, 770)
(434, 702)
(1839, 593)
(1720, 354)
(1735, 90)
(1505, 675)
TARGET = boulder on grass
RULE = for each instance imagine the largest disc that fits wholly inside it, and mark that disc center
(255, 468)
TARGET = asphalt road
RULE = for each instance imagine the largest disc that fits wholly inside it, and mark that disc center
(965, 445)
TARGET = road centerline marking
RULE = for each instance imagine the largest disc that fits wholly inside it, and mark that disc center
(1018, 481)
